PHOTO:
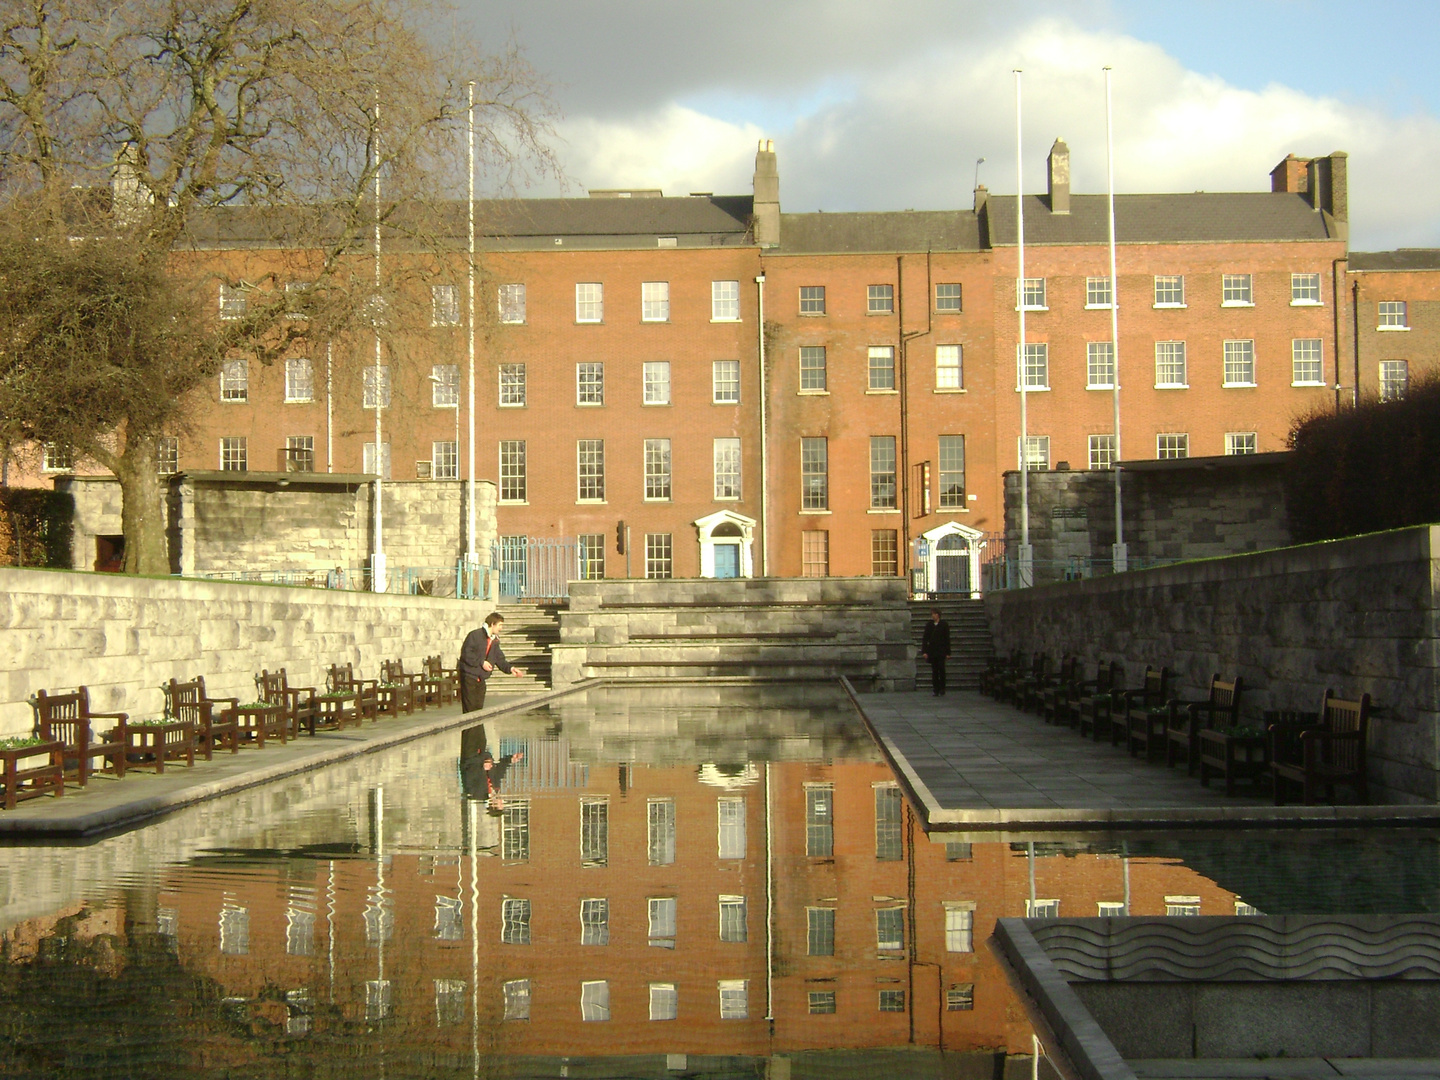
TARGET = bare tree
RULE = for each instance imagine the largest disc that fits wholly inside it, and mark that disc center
(137, 141)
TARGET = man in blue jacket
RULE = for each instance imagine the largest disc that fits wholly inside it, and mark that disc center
(480, 656)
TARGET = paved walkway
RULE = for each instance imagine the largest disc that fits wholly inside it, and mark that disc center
(971, 762)
(106, 804)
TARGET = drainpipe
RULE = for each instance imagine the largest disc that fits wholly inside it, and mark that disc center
(903, 465)
(1355, 321)
(1119, 556)
(764, 437)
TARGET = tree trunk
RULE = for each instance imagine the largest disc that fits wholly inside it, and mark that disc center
(143, 517)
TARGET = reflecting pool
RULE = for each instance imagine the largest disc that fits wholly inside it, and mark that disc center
(697, 881)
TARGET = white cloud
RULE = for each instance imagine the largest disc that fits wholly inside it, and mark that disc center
(908, 134)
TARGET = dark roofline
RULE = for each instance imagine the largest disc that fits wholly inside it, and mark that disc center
(1397, 261)
(1220, 461)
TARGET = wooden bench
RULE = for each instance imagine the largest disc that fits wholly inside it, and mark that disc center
(1012, 687)
(1096, 708)
(1329, 754)
(1052, 697)
(1143, 706)
(996, 670)
(214, 718)
(67, 719)
(441, 684)
(19, 782)
(1203, 732)
(399, 690)
(301, 709)
(342, 680)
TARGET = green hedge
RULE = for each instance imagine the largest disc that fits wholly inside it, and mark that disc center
(35, 527)
(1373, 467)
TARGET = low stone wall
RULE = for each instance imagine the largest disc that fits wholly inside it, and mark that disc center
(125, 636)
(779, 628)
(1359, 615)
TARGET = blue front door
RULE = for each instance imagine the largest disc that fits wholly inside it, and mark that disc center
(727, 560)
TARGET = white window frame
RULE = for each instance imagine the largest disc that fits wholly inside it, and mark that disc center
(1170, 284)
(951, 493)
(510, 303)
(235, 381)
(234, 453)
(167, 455)
(1098, 293)
(589, 302)
(960, 926)
(949, 369)
(55, 458)
(1171, 359)
(813, 300)
(1032, 367)
(1034, 455)
(880, 299)
(654, 301)
(734, 999)
(959, 298)
(1300, 291)
(512, 472)
(1392, 315)
(595, 921)
(1388, 385)
(595, 1000)
(445, 386)
(1101, 452)
(734, 925)
(659, 556)
(233, 301)
(1032, 289)
(1172, 445)
(516, 996)
(662, 915)
(808, 372)
(515, 920)
(895, 916)
(655, 378)
(721, 382)
(1099, 365)
(1042, 909)
(884, 472)
(590, 470)
(727, 462)
(367, 459)
(658, 474)
(731, 823)
(444, 305)
(815, 482)
(590, 384)
(300, 451)
(511, 377)
(1239, 347)
(1182, 906)
(876, 375)
(1297, 361)
(1239, 443)
(664, 1001)
(445, 460)
(299, 380)
(1237, 290)
(368, 379)
(1110, 909)
(725, 301)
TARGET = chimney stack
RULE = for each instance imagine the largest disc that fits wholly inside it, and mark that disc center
(1324, 182)
(982, 196)
(1058, 169)
(767, 195)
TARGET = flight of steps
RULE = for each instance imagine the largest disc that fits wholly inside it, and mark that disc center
(970, 643)
(529, 631)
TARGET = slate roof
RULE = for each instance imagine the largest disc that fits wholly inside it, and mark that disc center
(1404, 259)
(511, 224)
(893, 231)
(1196, 218)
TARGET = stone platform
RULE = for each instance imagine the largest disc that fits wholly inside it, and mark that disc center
(971, 763)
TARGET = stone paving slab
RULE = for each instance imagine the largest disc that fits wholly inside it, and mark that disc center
(970, 762)
(1282, 1068)
(106, 804)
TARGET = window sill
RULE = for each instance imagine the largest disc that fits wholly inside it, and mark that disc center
(246, 401)
(1033, 307)
(1186, 386)
(1390, 329)
(735, 402)
(303, 401)
(1239, 385)
(882, 392)
(589, 322)
(512, 322)
(1307, 303)
(951, 390)
(815, 511)
(1237, 303)
(948, 311)
(1098, 307)
(655, 405)
(727, 320)
(812, 314)
(953, 510)
(589, 404)
(884, 313)
(1032, 389)
(1174, 306)
(727, 498)
(1311, 383)
(511, 405)
(652, 322)
(813, 393)
(883, 510)
(647, 499)
(1100, 386)
(512, 502)
(590, 502)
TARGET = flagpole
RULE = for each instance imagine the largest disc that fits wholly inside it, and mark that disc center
(1027, 556)
(1119, 553)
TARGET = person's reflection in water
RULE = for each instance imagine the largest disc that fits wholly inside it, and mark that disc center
(481, 773)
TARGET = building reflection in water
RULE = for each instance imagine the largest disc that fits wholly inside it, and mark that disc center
(657, 877)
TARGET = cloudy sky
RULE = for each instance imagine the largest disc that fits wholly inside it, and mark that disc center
(887, 104)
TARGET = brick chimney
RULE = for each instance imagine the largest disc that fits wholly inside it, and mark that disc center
(1324, 181)
(1292, 175)
(1058, 177)
(767, 195)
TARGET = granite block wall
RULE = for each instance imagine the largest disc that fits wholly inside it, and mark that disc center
(1360, 615)
(125, 636)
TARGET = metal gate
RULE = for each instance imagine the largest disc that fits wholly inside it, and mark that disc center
(535, 567)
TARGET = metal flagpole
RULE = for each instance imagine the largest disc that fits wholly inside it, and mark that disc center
(471, 558)
(377, 557)
(1119, 555)
(1027, 556)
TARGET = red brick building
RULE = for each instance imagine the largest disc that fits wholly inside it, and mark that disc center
(625, 372)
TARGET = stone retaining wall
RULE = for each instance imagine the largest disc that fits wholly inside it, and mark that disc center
(805, 628)
(125, 636)
(1360, 615)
